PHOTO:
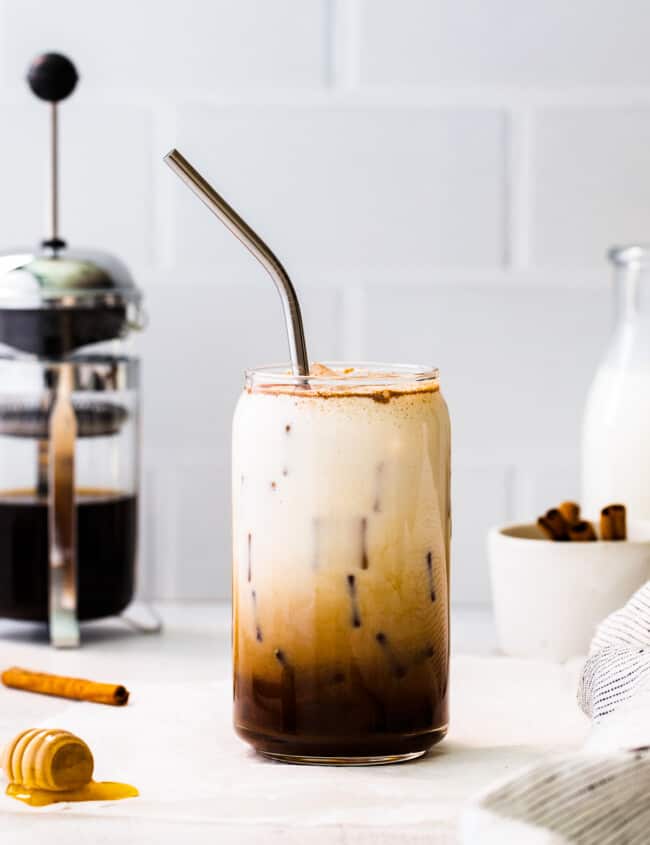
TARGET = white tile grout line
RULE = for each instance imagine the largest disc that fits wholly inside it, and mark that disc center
(411, 277)
(165, 134)
(330, 42)
(348, 92)
(342, 85)
(353, 316)
(162, 563)
(518, 189)
(511, 499)
(343, 25)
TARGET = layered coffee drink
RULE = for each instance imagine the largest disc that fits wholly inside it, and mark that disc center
(341, 563)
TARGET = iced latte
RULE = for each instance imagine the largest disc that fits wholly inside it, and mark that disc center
(341, 563)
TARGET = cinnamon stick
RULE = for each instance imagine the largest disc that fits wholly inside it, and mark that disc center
(582, 532)
(545, 528)
(79, 689)
(554, 525)
(613, 523)
(571, 512)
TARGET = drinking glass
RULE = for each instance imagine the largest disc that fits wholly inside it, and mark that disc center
(341, 508)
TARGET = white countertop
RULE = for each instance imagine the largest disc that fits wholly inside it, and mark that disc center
(197, 780)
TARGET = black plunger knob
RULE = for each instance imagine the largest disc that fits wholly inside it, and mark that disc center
(52, 77)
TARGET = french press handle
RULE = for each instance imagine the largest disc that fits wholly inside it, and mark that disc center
(62, 515)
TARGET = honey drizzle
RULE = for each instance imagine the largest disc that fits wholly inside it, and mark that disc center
(93, 791)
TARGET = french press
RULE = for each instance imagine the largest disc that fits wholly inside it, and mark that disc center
(69, 409)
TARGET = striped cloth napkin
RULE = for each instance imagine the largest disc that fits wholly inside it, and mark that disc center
(601, 794)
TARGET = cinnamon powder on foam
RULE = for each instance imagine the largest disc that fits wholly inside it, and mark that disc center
(363, 391)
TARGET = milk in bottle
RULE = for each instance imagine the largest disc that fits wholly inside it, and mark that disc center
(616, 426)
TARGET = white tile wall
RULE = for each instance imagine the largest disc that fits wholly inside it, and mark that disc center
(480, 496)
(163, 46)
(106, 164)
(510, 42)
(503, 354)
(350, 187)
(441, 177)
(604, 190)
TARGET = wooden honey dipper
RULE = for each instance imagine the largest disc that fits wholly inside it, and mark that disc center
(46, 765)
(49, 759)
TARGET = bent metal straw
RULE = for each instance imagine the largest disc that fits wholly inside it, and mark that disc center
(241, 230)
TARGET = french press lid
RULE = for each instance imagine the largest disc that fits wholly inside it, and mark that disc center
(54, 299)
(53, 302)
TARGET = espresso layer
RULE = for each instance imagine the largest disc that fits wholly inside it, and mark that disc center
(337, 707)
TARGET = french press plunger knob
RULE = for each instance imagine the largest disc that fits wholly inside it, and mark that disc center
(53, 77)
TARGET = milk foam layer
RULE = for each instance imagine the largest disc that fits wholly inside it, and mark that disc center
(341, 538)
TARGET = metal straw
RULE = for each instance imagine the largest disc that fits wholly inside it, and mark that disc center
(241, 230)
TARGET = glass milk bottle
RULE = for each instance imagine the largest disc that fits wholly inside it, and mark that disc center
(616, 426)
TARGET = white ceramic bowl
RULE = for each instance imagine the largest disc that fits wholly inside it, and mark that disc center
(549, 597)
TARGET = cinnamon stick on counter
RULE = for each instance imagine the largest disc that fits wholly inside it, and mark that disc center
(613, 523)
(554, 525)
(76, 688)
(571, 512)
(582, 532)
